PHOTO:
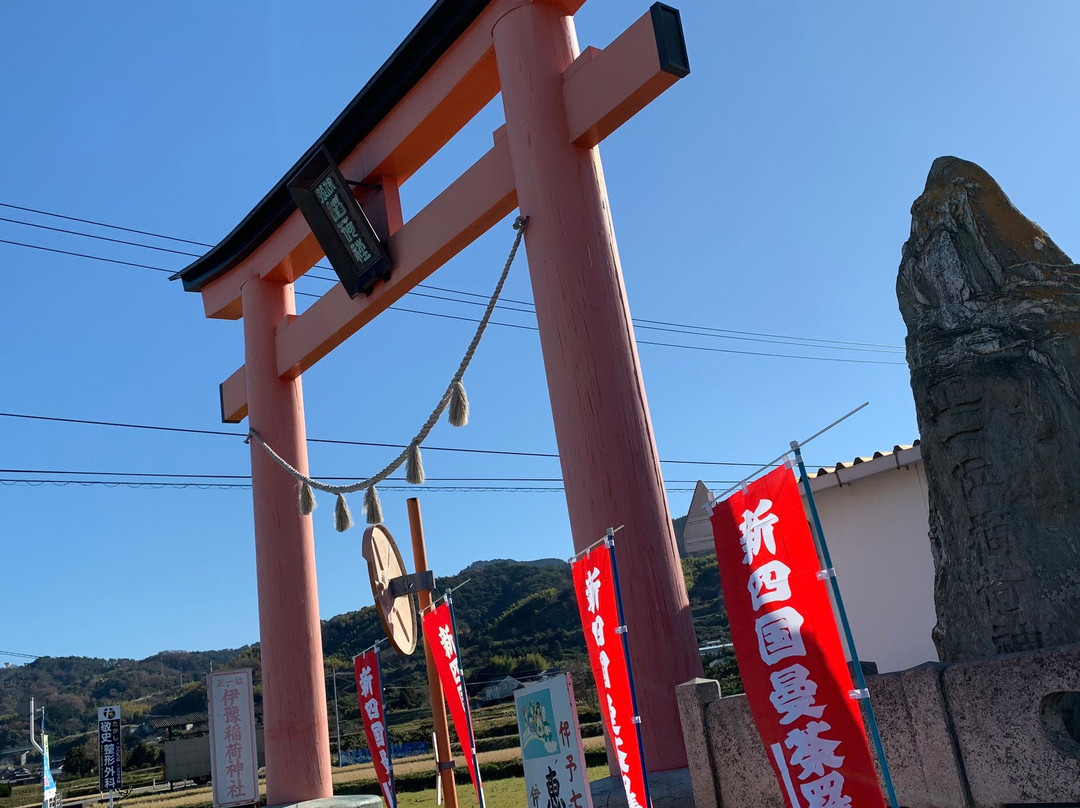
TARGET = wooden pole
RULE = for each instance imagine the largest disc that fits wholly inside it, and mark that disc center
(438, 704)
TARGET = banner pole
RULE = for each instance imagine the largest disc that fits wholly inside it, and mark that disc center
(444, 759)
(465, 698)
(609, 540)
(864, 692)
(742, 483)
(392, 797)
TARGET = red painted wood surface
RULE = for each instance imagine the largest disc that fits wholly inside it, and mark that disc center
(294, 692)
(601, 416)
(601, 90)
(472, 204)
(460, 83)
(606, 446)
(604, 89)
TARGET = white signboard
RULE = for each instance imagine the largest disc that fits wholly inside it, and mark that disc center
(233, 762)
(110, 755)
(551, 751)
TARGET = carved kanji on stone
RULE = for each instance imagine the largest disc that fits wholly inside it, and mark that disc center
(992, 308)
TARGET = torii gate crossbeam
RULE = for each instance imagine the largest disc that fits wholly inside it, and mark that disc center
(559, 104)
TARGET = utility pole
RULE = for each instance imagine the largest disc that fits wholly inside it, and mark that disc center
(33, 737)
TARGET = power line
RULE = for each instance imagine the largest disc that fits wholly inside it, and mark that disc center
(657, 344)
(84, 255)
(690, 330)
(99, 238)
(493, 322)
(247, 477)
(774, 355)
(206, 486)
(434, 489)
(17, 654)
(661, 325)
(338, 442)
(103, 224)
(680, 325)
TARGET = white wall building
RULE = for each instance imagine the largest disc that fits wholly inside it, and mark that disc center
(875, 515)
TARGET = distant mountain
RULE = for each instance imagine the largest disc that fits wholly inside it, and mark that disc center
(72, 688)
(476, 566)
(513, 617)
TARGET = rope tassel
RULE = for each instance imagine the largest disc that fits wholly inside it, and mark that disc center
(414, 466)
(342, 518)
(372, 506)
(459, 405)
(307, 500)
(453, 397)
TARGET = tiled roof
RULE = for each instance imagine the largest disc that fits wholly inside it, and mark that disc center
(900, 447)
(901, 455)
(166, 721)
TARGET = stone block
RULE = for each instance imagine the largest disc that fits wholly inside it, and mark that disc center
(923, 759)
(345, 801)
(667, 789)
(744, 774)
(693, 697)
(1009, 726)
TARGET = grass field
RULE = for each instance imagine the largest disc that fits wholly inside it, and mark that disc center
(507, 792)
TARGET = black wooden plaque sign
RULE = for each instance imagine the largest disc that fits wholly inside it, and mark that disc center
(339, 224)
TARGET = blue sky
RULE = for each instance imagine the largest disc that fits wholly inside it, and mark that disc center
(767, 192)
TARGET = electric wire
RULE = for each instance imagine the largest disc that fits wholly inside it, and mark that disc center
(707, 348)
(103, 224)
(99, 238)
(680, 325)
(497, 323)
(662, 325)
(440, 489)
(84, 255)
(208, 486)
(247, 477)
(331, 441)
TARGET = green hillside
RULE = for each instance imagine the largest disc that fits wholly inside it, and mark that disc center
(516, 618)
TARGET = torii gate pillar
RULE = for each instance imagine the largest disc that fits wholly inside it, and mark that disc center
(609, 461)
(297, 746)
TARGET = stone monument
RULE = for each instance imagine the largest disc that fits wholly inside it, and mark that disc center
(992, 308)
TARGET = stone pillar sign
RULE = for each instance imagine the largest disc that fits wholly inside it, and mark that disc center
(992, 307)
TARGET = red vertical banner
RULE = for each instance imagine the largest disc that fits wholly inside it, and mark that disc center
(369, 692)
(438, 626)
(788, 648)
(595, 585)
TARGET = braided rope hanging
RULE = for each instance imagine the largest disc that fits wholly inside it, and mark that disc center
(454, 397)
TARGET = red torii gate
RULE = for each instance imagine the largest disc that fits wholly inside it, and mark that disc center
(559, 105)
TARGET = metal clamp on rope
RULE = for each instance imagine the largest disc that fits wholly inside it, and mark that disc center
(408, 584)
(824, 575)
(445, 766)
(861, 693)
(636, 719)
(621, 629)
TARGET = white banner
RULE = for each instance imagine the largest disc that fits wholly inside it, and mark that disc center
(551, 751)
(234, 762)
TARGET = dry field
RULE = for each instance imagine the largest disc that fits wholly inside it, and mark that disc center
(505, 793)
